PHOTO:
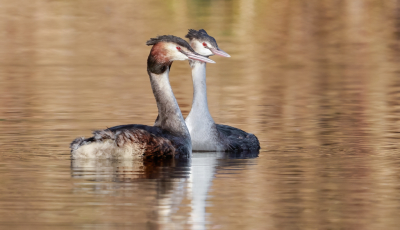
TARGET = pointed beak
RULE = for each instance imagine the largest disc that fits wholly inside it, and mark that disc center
(199, 58)
(219, 52)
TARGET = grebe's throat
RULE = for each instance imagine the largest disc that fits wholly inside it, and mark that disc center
(200, 103)
(170, 116)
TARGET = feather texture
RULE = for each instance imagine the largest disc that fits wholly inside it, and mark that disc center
(129, 141)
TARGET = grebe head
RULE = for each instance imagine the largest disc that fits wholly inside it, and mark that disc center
(169, 48)
(204, 44)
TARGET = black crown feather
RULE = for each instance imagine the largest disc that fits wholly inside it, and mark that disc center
(201, 35)
(169, 38)
(196, 34)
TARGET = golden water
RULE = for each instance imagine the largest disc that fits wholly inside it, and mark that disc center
(318, 82)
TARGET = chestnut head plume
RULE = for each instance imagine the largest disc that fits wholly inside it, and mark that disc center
(169, 48)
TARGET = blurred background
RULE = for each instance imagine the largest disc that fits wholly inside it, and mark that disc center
(318, 82)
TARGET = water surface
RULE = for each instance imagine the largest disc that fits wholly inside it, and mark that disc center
(317, 82)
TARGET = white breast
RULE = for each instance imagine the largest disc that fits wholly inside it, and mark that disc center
(108, 149)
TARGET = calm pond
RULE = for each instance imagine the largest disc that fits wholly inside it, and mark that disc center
(317, 82)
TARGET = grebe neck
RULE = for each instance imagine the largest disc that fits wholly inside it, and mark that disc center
(169, 115)
(200, 104)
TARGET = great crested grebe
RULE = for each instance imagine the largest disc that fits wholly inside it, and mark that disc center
(170, 137)
(205, 134)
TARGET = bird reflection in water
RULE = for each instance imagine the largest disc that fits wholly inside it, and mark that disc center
(166, 190)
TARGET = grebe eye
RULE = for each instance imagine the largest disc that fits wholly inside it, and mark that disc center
(178, 48)
(204, 44)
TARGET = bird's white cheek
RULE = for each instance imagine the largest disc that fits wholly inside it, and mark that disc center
(196, 45)
(180, 57)
(208, 53)
(203, 51)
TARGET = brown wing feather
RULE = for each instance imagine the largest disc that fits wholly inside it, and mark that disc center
(153, 146)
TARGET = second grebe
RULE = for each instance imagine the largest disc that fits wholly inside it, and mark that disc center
(205, 134)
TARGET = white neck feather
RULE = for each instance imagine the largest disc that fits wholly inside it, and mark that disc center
(170, 116)
(199, 114)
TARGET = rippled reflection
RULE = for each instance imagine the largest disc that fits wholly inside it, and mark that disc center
(166, 190)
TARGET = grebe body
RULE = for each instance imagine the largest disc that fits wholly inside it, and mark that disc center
(170, 137)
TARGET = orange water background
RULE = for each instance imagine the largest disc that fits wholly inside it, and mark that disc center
(318, 82)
